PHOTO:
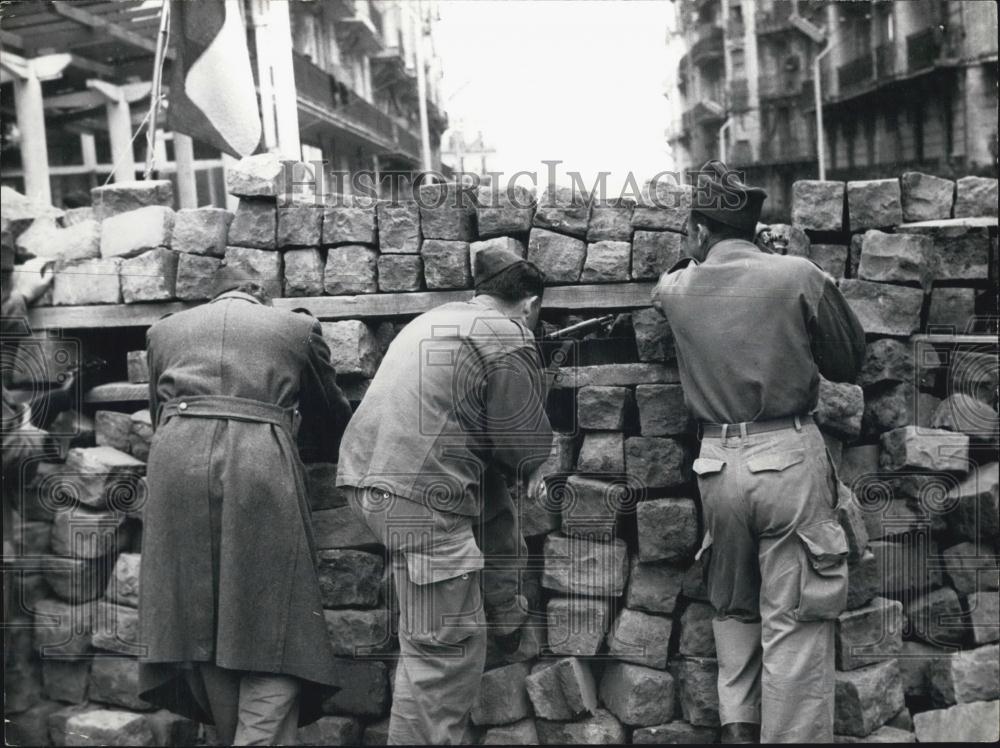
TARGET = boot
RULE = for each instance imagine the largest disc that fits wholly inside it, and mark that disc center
(740, 732)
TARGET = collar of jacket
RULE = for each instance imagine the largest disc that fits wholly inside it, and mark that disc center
(728, 246)
(236, 295)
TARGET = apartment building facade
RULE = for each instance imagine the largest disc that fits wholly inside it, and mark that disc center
(904, 85)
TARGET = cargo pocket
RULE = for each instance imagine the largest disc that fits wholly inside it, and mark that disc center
(440, 606)
(823, 577)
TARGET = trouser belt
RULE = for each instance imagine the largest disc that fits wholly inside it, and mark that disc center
(235, 408)
(747, 428)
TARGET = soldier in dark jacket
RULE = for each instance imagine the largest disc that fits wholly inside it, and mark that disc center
(230, 611)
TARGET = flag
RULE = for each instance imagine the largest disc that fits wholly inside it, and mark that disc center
(212, 96)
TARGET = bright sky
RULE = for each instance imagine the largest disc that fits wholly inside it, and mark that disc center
(577, 80)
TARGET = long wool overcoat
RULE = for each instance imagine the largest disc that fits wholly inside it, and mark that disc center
(228, 561)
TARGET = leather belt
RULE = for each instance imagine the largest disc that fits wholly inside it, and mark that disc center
(235, 408)
(747, 428)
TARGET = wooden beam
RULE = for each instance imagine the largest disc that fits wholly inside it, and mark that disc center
(93, 66)
(90, 20)
(570, 298)
(117, 392)
(9, 38)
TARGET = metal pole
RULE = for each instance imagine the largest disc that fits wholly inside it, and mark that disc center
(818, 94)
(425, 137)
(155, 91)
(722, 139)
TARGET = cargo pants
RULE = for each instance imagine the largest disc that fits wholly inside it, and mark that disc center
(776, 576)
(449, 569)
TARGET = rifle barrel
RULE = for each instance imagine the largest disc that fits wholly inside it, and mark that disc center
(585, 325)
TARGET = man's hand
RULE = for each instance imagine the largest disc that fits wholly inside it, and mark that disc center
(536, 488)
(35, 288)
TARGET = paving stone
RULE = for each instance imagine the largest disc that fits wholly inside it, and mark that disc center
(653, 338)
(636, 695)
(355, 633)
(303, 272)
(399, 228)
(935, 617)
(600, 729)
(975, 196)
(116, 629)
(96, 475)
(446, 264)
(562, 690)
(263, 266)
(499, 242)
(197, 277)
(123, 197)
(201, 231)
(346, 221)
(130, 234)
(559, 256)
(852, 518)
(138, 368)
(400, 273)
(925, 197)
(300, 224)
(602, 408)
(601, 453)
(884, 309)
(789, 240)
(87, 282)
(924, 449)
(952, 308)
(840, 409)
(654, 253)
(984, 616)
(115, 681)
(365, 691)
(656, 462)
(255, 224)
(664, 205)
(915, 662)
(621, 375)
(697, 638)
(349, 578)
(588, 505)
(818, 205)
(108, 727)
(89, 533)
(662, 410)
(975, 373)
(331, 731)
(112, 429)
(504, 211)
(961, 252)
(66, 680)
(674, 733)
(874, 203)
(256, 176)
(354, 349)
(897, 258)
(653, 587)
(887, 360)
(884, 734)
(47, 241)
(140, 435)
(585, 566)
(123, 587)
(62, 629)
(321, 486)
(77, 580)
(964, 677)
(696, 682)
(831, 258)
(350, 269)
(563, 209)
(611, 220)
(448, 212)
(341, 528)
(577, 625)
(519, 733)
(903, 567)
(607, 262)
(30, 726)
(22, 665)
(965, 414)
(502, 697)
(58, 720)
(668, 529)
(978, 722)
(866, 698)
(888, 408)
(152, 276)
(869, 635)
(640, 638)
(968, 570)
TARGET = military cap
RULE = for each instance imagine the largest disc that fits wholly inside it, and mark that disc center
(721, 195)
(492, 261)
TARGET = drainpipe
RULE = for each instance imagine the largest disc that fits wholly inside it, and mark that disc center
(722, 139)
(818, 94)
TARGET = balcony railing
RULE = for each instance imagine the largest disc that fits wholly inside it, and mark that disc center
(784, 86)
(786, 151)
(885, 61)
(855, 73)
(323, 90)
(707, 112)
(923, 49)
(708, 45)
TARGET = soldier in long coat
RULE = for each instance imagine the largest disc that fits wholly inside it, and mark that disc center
(230, 611)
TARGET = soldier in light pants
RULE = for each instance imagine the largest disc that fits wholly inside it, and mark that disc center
(753, 332)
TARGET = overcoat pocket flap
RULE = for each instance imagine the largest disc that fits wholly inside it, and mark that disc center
(707, 465)
(776, 460)
(425, 568)
(825, 542)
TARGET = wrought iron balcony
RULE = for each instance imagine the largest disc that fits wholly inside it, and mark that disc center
(923, 49)
(885, 61)
(708, 44)
(856, 73)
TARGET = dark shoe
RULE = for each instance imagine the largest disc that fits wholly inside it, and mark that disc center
(740, 732)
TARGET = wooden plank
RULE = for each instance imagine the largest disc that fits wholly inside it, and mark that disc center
(598, 296)
(987, 221)
(101, 24)
(117, 392)
(961, 339)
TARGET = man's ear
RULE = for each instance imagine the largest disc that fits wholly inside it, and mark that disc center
(530, 306)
